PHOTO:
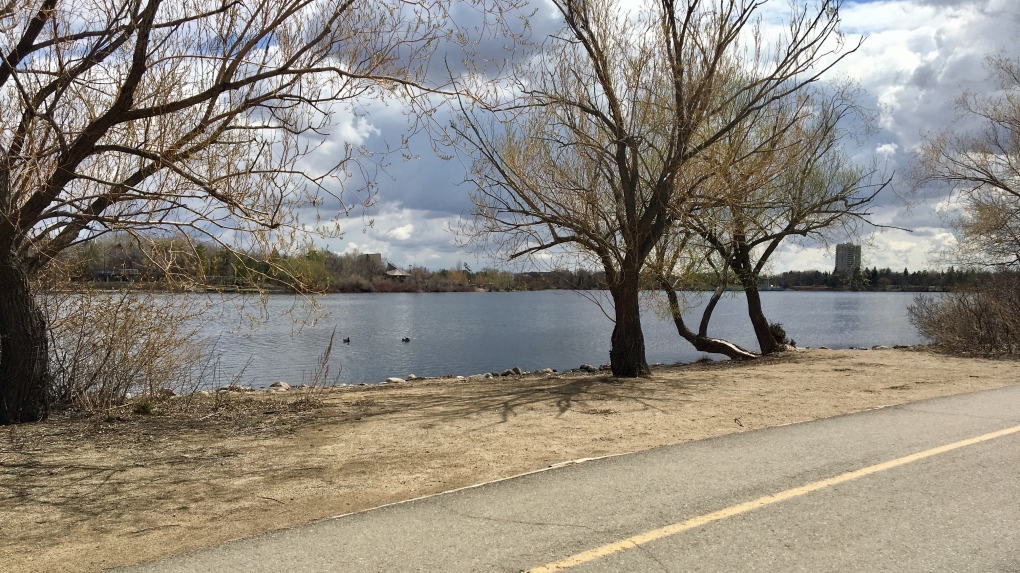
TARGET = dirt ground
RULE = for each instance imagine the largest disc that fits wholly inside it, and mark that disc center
(90, 494)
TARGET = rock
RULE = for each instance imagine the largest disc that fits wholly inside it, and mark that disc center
(280, 384)
(507, 373)
(824, 348)
(517, 370)
(494, 374)
(412, 377)
(231, 388)
(546, 371)
(880, 347)
(203, 393)
(902, 346)
(606, 367)
(587, 368)
(394, 380)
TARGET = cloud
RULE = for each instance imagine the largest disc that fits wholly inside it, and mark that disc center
(401, 233)
(886, 150)
(918, 56)
(891, 248)
(915, 250)
(405, 237)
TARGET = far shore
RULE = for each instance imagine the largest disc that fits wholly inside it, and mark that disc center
(87, 494)
(162, 288)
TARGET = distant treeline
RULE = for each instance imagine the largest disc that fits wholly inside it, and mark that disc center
(111, 259)
(172, 265)
(868, 279)
(168, 264)
(875, 279)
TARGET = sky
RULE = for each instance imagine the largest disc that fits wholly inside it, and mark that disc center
(916, 59)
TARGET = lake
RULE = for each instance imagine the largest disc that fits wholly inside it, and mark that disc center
(473, 333)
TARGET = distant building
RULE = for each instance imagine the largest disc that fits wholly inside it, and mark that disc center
(395, 273)
(373, 259)
(848, 258)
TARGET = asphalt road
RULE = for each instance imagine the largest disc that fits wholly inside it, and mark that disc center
(755, 501)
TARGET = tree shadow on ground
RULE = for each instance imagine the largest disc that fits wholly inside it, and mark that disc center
(507, 398)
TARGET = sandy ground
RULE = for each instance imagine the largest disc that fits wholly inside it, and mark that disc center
(85, 495)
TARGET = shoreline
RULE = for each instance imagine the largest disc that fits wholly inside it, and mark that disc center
(514, 373)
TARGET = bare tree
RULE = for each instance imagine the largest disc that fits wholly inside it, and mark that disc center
(978, 157)
(581, 152)
(784, 176)
(191, 118)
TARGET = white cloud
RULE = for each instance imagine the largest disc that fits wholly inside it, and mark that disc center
(886, 150)
(357, 130)
(799, 258)
(949, 206)
(401, 233)
(916, 250)
(405, 237)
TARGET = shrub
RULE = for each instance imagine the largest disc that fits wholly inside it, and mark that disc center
(779, 333)
(981, 319)
(106, 345)
(353, 283)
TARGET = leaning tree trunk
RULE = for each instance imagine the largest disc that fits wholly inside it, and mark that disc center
(700, 340)
(706, 315)
(767, 343)
(24, 370)
(627, 355)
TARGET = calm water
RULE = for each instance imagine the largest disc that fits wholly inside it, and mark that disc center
(472, 333)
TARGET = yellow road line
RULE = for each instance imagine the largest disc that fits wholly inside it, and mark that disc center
(648, 536)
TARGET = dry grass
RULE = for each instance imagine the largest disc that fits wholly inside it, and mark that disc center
(87, 493)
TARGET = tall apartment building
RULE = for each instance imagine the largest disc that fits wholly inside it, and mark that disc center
(848, 257)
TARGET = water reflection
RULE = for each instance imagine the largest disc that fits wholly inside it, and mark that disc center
(846, 318)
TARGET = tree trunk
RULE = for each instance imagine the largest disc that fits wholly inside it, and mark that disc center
(709, 308)
(24, 366)
(700, 340)
(766, 342)
(627, 355)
